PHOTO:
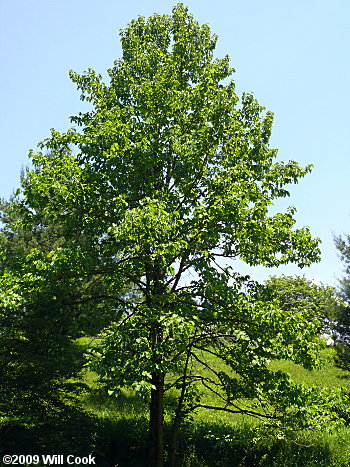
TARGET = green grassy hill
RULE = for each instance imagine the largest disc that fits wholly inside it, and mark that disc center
(221, 439)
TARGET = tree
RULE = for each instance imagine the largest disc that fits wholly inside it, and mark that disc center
(300, 295)
(41, 317)
(37, 354)
(342, 324)
(166, 177)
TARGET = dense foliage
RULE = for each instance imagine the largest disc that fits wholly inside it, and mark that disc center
(314, 300)
(42, 312)
(343, 319)
(37, 355)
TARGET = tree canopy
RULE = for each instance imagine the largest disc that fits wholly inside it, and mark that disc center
(167, 179)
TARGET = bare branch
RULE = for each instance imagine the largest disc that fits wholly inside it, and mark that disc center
(239, 410)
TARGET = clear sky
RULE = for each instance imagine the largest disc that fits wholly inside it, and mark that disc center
(294, 56)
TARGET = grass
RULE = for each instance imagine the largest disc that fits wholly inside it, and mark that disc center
(222, 439)
(329, 375)
(115, 430)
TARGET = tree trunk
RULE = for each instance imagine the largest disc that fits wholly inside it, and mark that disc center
(156, 439)
(174, 441)
(156, 417)
(178, 417)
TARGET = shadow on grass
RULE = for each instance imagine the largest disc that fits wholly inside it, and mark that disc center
(113, 443)
(209, 444)
(123, 443)
(123, 405)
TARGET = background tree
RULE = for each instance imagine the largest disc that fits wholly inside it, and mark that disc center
(342, 325)
(170, 175)
(41, 316)
(315, 301)
(37, 352)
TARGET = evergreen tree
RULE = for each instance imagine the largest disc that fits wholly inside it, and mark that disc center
(342, 326)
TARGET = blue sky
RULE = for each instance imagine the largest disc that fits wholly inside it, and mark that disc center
(294, 57)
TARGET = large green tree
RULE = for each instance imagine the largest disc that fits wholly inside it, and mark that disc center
(168, 176)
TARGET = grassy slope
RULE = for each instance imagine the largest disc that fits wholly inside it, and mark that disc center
(221, 439)
(115, 430)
